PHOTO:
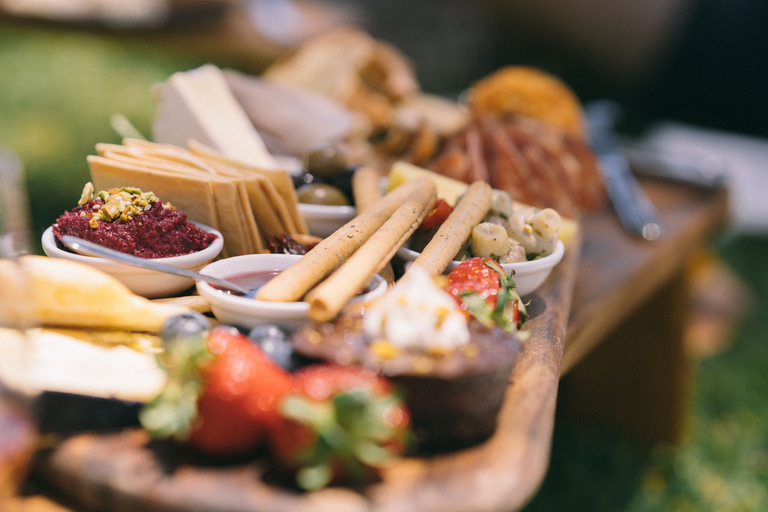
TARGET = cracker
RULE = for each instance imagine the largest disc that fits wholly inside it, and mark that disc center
(279, 178)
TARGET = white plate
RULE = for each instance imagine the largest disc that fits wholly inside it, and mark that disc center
(147, 283)
(528, 275)
(247, 312)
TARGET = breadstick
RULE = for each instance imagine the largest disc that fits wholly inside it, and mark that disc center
(294, 282)
(328, 299)
(469, 211)
(366, 188)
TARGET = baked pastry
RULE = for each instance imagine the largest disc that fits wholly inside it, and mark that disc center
(453, 372)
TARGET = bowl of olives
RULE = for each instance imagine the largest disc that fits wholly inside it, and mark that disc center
(324, 191)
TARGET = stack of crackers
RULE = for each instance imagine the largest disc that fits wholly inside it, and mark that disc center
(244, 202)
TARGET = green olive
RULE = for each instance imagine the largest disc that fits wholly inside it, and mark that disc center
(326, 161)
(320, 193)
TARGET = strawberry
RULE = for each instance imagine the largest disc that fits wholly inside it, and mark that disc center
(222, 390)
(484, 290)
(341, 423)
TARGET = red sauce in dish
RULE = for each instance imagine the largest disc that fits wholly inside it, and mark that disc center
(251, 281)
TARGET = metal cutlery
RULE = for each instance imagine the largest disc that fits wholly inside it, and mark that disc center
(90, 249)
(635, 211)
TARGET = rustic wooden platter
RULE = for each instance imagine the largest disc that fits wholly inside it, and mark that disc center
(125, 471)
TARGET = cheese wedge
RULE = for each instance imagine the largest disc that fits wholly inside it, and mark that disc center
(199, 105)
(450, 190)
(65, 293)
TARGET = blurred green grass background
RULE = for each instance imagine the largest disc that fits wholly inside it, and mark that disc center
(58, 90)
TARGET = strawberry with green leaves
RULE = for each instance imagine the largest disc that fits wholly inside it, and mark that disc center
(225, 397)
(222, 391)
(340, 424)
(484, 290)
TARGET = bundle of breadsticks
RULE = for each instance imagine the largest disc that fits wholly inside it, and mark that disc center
(347, 260)
(330, 275)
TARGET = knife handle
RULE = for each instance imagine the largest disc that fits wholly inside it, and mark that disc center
(633, 208)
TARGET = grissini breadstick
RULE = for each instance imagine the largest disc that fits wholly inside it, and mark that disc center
(366, 188)
(294, 282)
(469, 211)
(329, 297)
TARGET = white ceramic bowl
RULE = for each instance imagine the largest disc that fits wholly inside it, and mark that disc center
(529, 275)
(147, 283)
(323, 220)
(247, 312)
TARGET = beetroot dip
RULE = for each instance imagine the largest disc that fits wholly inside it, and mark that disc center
(152, 230)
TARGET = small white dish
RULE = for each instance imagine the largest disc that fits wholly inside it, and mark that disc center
(528, 276)
(247, 312)
(147, 283)
(323, 220)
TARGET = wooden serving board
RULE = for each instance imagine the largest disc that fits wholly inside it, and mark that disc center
(125, 471)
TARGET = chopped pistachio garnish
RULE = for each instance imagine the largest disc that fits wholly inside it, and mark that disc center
(87, 195)
(120, 204)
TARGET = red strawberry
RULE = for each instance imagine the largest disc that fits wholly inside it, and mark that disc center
(341, 423)
(483, 289)
(222, 392)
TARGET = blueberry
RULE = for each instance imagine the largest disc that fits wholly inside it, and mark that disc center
(264, 331)
(274, 342)
(188, 325)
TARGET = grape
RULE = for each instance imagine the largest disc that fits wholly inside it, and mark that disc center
(321, 193)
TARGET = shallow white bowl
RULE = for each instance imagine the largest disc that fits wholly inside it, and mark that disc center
(147, 283)
(247, 312)
(323, 220)
(528, 276)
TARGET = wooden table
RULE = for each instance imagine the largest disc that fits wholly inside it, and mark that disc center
(629, 313)
(610, 318)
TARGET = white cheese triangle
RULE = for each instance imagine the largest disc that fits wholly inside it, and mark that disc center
(198, 105)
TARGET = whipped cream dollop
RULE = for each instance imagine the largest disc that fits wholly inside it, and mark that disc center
(417, 313)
